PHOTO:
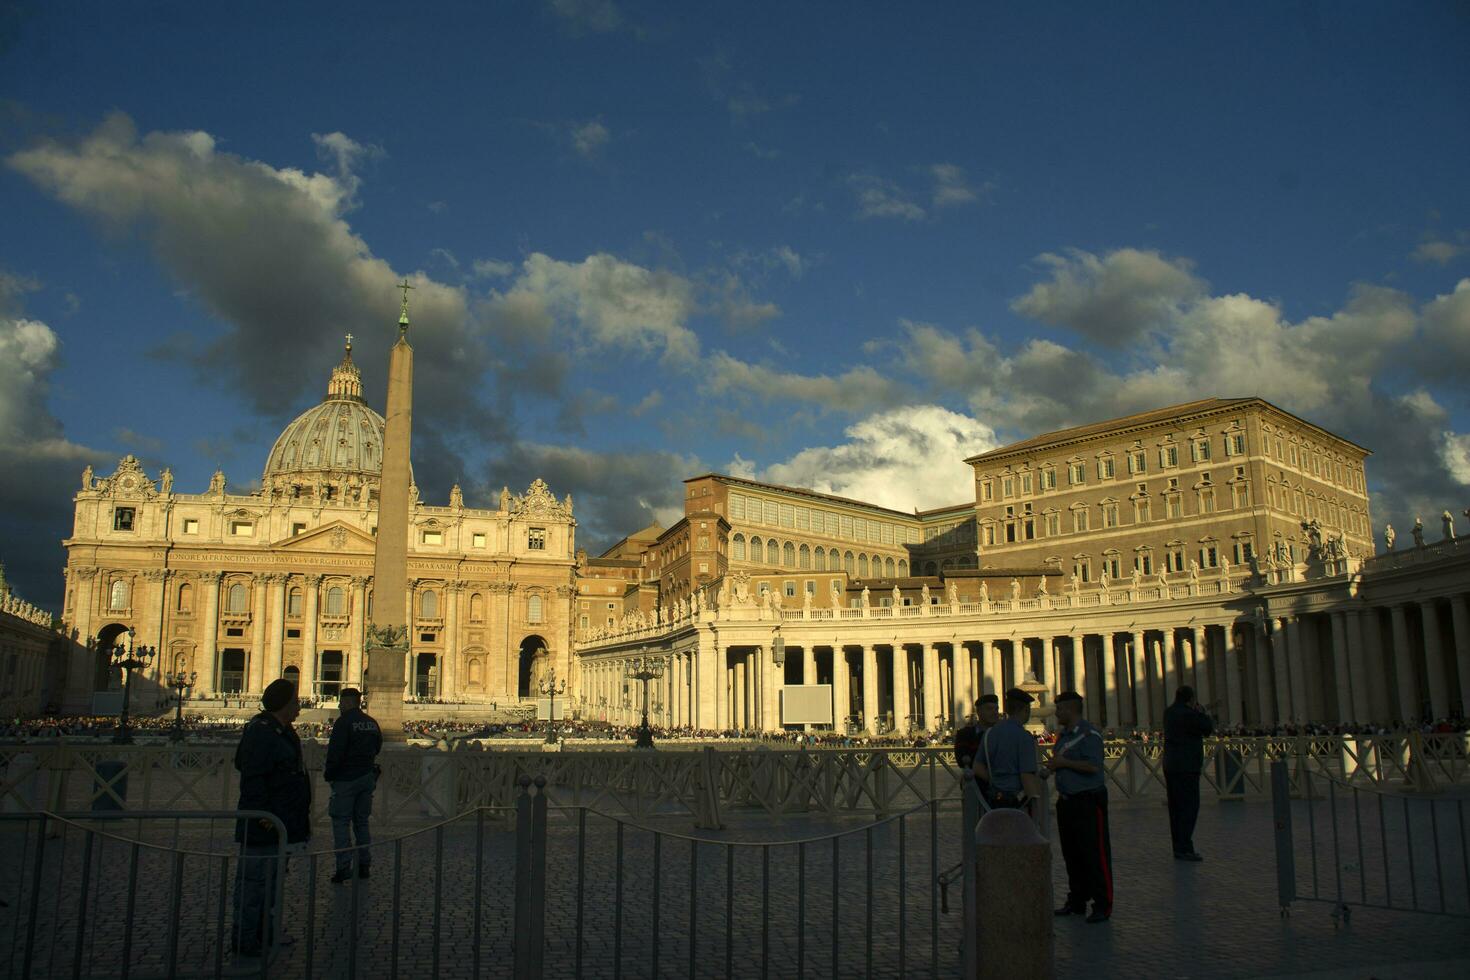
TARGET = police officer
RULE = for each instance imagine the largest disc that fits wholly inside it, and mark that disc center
(1007, 757)
(272, 779)
(352, 772)
(1185, 726)
(1082, 811)
(967, 739)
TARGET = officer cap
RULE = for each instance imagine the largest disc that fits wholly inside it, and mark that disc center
(1068, 696)
(350, 692)
(277, 695)
(988, 699)
(1017, 696)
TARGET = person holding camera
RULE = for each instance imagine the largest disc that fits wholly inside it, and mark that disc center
(1185, 726)
(352, 772)
(272, 779)
(1006, 761)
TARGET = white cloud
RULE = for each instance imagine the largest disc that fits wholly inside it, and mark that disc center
(951, 189)
(1445, 352)
(1110, 299)
(492, 268)
(1441, 250)
(1455, 452)
(860, 389)
(903, 458)
(587, 16)
(880, 198)
(589, 138)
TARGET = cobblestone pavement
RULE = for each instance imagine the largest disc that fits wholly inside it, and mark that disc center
(1215, 919)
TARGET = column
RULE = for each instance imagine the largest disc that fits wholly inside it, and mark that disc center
(153, 614)
(1016, 654)
(1109, 646)
(449, 664)
(771, 683)
(308, 634)
(737, 690)
(258, 628)
(1460, 620)
(1404, 666)
(1079, 666)
(1379, 692)
(1046, 677)
(870, 690)
(901, 699)
(1345, 713)
(1314, 672)
(1173, 664)
(931, 687)
(277, 625)
(1434, 674)
(1297, 668)
(208, 659)
(1158, 699)
(1280, 657)
(1265, 658)
(841, 681)
(1138, 682)
(1204, 690)
(1232, 676)
(964, 683)
(990, 654)
(352, 661)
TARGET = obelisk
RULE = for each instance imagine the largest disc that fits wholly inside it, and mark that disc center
(387, 636)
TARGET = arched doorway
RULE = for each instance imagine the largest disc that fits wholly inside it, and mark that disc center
(106, 677)
(533, 662)
(426, 675)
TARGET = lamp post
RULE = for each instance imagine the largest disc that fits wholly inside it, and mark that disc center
(644, 668)
(128, 659)
(550, 688)
(179, 683)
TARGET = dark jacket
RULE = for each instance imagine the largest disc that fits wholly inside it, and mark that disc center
(966, 744)
(1184, 738)
(353, 748)
(273, 779)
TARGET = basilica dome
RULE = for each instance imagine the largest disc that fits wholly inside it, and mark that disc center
(340, 437)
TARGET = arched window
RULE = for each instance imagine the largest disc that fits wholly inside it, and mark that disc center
(335, 604)
(235, 601)
(533, 609)
(805, 557)
(477, 608)
(474, 672)
(903, 568)
(119, 597)
(849, 563)
(739, 547)
(821, 560)
(773, 553)
(293, 603)
(186, 597)
(788, 555)
(756, 550)
(429, 605)
(888, 567)
(862, 566)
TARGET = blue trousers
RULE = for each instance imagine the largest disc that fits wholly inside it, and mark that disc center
(255, 895)
(351, 805)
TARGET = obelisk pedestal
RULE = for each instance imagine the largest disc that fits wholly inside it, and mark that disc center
(388, 634)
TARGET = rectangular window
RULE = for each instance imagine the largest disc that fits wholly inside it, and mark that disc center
(811, 586)
(1176, 505)
(1079, 520)
(772, 512)
(478, 539)
(1137, 461)
(242, 529)
(1110, 515)
(1010, 532)
(191, 526)
(990, 534)
(1209, 557)
(1168, 456)
(1008, 487)
(1207, 501)
(1199, 450)
(737, 507)
(293, 603)
(1235, 444)
(788, 515)
(1076, 473)
(1025, 482)
(122, 518)
(1141, 513)
(987, 490)
(1053, 524)
(297, 529)
(846, 524)
(887, 533)
(1110, 565)
(432, 537)
(1083, 570)
(536, 538)
(1174, 559)
(1030, 527)
(1048, 479)
(791, 590)
(1144, 562)
(583, 622)
(1105, 468)
(803, 519)
(293, 634)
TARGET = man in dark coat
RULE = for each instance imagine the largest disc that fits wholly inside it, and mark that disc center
(352, 772)
(273, 780)
(1185, 726)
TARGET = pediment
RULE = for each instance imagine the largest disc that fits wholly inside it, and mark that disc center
(336, 537)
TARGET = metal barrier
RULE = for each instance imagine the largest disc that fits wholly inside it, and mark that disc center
(1365, 847)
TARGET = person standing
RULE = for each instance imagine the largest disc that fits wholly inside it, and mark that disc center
(1185, 726)
(1082, 811)
(352, 772)
(273, 780)
(967, 739)
(1007, 758)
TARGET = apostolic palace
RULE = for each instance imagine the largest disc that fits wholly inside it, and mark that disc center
(1222, 542)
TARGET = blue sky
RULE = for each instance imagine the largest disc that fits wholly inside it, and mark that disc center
(841, 245)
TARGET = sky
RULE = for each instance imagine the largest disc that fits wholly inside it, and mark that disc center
(835, 245)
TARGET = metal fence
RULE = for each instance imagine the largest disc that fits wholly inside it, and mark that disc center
(1357, 845)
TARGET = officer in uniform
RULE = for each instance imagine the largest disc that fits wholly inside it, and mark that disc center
(352, 772)
(272, 779)
(1082, 811)
(967, 739)
(1006, 761)
(1186, 725)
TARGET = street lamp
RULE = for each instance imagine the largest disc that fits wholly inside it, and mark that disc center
(644, 669)
(179, 683)
(128, 659)
(550, 688)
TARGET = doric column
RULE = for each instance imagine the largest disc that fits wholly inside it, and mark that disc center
(1158, 698)
(208, 647)
(841, 680)
(1403, 660)
(1341, 669)
(449, 667)
(1357, 666)
(1200, 648)
(1280, 662)
(353, 661)
(308, 635)
(770, 691)
(1435, 677)
(152, 612)
(870, 689)
(995, 679)
(964, 683)
(1173, 664)
(680, 682)
(1265, 658)
(1138, 681)
(258, 629)
(1460, 620)
(1380, 699)
(1108, 644)
(901, 691)
(277, 625)
(1233, 697)
(931, 687)
(1079, 665)
(1297, 661)
(808, 664)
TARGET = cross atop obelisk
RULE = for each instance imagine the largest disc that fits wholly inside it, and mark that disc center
(388, 636)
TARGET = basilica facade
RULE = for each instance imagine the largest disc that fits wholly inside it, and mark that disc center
(237, 589)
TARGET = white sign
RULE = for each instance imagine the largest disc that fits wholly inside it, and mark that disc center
(806, 704)
(543, 708)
